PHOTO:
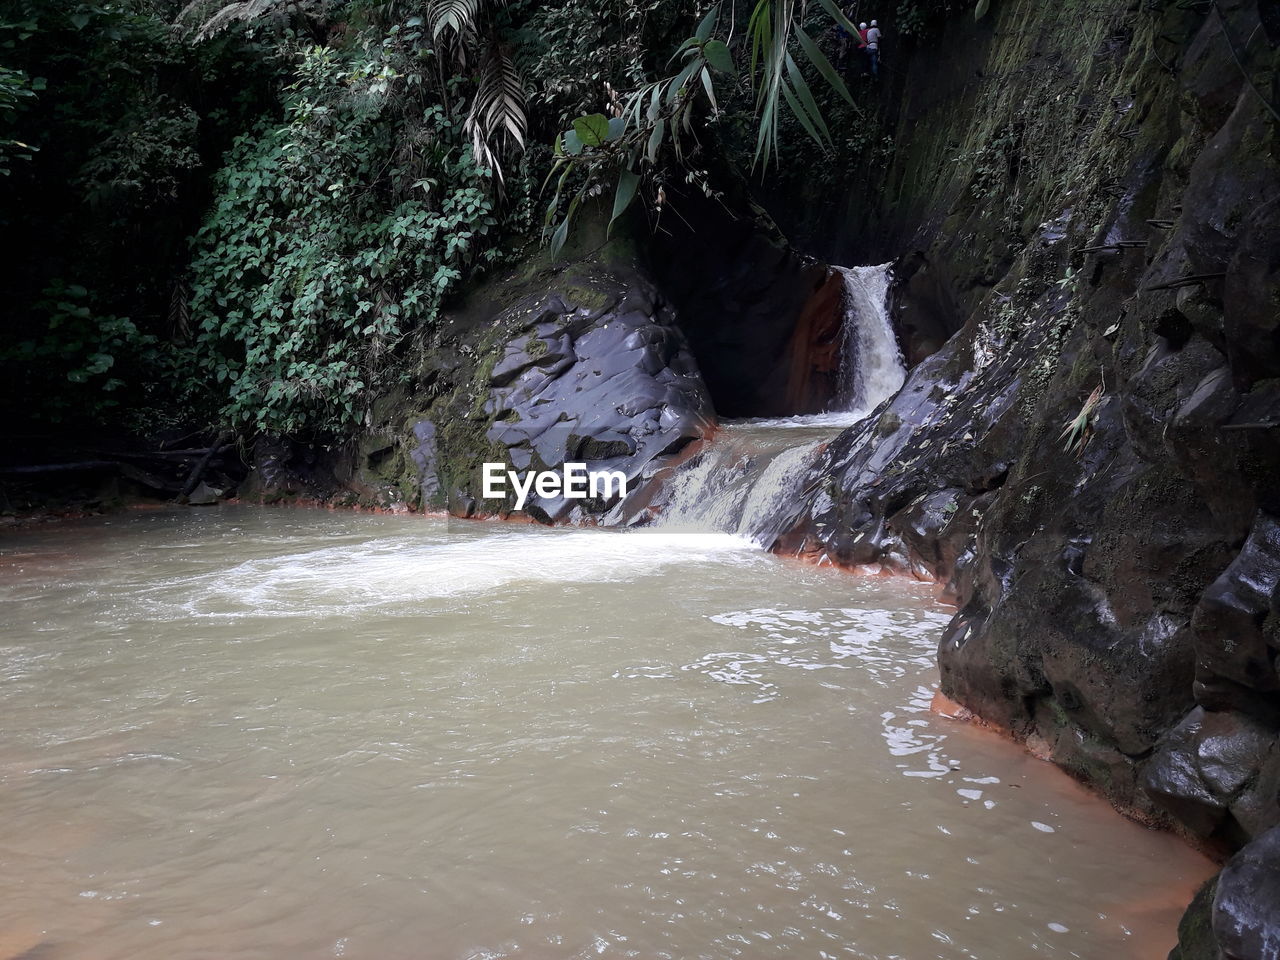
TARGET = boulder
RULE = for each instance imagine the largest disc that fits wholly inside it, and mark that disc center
(1246, 906)
(600, 376)
(1235, 629)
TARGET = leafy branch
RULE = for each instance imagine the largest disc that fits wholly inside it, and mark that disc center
(662, 112)
(772, 25)
(632, 138)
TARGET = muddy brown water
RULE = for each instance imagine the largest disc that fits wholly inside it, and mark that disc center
(269, 733)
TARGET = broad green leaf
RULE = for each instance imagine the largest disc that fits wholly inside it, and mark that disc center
(981, 9)
(703, 33)
(617, 127)
(706, 85)
(572, 143)
(678, 83)
(628, 182)
(767, 136)
(655, 139)
(760, 29)
(592, 130)
(800, 114)
(718, 55)
(562, 232)
(555, 201)
(684, 48)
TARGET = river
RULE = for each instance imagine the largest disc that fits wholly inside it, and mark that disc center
(275, 733)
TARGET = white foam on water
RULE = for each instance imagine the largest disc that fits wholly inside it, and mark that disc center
(357, 578)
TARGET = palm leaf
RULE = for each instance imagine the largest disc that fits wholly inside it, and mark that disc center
(628, 183)
(1077, 431)
(456, 16)
(497, 118)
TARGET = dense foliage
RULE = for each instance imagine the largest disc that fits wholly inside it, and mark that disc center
(109, 126)
(237, 212)
(332, 234)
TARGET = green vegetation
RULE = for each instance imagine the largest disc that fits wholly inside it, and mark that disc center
(242, 214)
(328, 240)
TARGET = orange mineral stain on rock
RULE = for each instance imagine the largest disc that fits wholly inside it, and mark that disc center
(944, 706)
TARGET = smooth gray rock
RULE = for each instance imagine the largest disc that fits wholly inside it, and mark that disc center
(425, 457)
(614, 387)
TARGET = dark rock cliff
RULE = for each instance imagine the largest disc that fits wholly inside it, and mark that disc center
(1098, 203)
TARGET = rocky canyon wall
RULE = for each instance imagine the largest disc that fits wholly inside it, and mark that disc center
(1090, 464)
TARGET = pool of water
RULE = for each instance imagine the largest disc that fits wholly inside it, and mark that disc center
(270, 733)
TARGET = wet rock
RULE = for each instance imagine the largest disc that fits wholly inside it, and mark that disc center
(1246, 905)
(1234, 624)
(923, 306)
(1212, 81)
(1209, 455)
(1230, 181)
(1116, 602)
(1195, 930)
(762, 314)
(284, 469)
(613, 386)
(204, 495)
(1251, 292)
(426, 461)
(1160, 388)
(1205, 773)
(1256, 807)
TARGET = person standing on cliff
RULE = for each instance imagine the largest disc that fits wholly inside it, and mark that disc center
(872, 40)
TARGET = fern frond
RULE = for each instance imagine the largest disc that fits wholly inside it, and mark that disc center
(459, 17)
(497, 117)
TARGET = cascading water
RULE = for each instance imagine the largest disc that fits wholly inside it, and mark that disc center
(871, 367)
(749, 481)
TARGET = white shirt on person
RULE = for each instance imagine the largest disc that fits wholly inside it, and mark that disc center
(873, 38)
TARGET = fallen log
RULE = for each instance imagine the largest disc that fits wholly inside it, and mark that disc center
(80, 466)
(198, 470)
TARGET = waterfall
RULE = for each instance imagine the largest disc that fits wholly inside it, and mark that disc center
(746, 482)
(751, 479)
(871, 367)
